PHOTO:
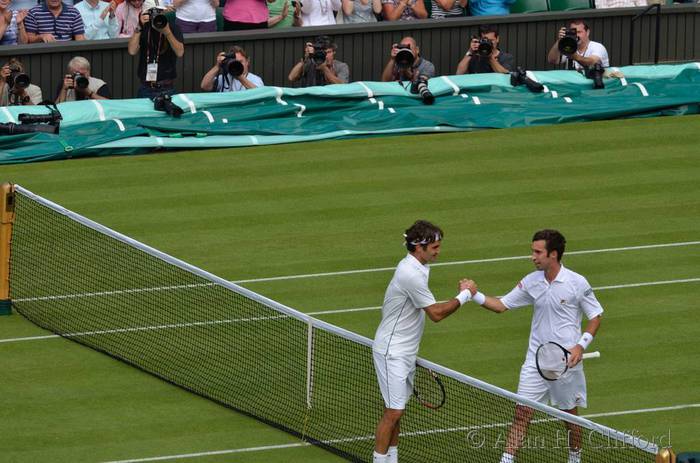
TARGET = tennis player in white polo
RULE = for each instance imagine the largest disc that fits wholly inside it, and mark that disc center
(560, 298)
(396, 343)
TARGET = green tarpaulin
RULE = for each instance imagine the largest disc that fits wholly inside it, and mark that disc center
(271, 115)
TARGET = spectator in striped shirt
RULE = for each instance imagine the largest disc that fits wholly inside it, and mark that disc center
(441, 9)
(54, 22)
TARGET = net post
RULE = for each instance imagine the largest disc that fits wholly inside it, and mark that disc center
(7, 217)
(666, 456)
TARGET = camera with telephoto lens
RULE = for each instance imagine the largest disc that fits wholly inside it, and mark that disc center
(420, 87)
(164, 103)
(485, 47)
(18, 79)
(319, 54)
(157, 18)
(405, 57)
(595, 73)
(569, 43)
(32, 123)
(230, 65)
(80, 82)
(519, 77)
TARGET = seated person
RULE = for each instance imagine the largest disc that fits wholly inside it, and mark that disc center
(78, 84)
(226, 76)
(398, 70)
(319, 66)
(475, 62)
(587, 52)
(15, 86)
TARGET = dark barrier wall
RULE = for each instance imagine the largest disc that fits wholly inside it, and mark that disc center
(366, 47)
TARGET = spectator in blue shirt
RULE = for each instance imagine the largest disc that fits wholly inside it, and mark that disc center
(54, 22)
(99, 19)
(490, 7)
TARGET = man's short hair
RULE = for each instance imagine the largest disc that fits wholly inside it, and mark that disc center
(15, 65)
(554, 241)
(488, 28)
(326, 41)
(579, 21)
(236, 49)
(422, 233)
(79, 62)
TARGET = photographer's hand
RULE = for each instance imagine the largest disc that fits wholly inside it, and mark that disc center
(562, 33)
(68, 82)
(5, 73)
(308, 50)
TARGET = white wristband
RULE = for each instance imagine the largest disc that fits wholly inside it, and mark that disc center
(479, 298)
(586, 340)
(463, 297)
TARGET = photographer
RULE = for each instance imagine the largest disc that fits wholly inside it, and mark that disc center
(484, 55)
(406, 64)
(159, 44)
(79, 85)
(575, 49)
(319, 66)
(15, 86)
(228, 76)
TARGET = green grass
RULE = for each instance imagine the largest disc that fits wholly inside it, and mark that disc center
(342, 205)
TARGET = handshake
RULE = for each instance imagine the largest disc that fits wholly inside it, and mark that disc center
(468, 291)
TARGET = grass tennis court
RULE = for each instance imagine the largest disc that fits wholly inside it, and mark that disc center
(251, 214)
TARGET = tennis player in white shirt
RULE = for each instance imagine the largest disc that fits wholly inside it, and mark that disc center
(396, 343)
(560, 298)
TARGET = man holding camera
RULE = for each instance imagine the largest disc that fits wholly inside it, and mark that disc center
(79, 85)
(230, 73)
(484, 55)
(159, 44)
(405, 63)
(15, 86)
(575, 49)
(319, 66)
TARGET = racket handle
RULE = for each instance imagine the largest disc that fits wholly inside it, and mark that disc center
(591, 355)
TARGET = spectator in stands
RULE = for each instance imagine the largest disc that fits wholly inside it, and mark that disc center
(313, 69)
(54, 22)
(219, 79)
(99, 19)
(246, 14)
(474, 63)
(600, 4)
(279, 14)
(18, 5)
(441, 9)
(489, 7)
(158, 50)
(196, 15)
(10, 33)
(394, 10)
(361, 11)
(319, 12)
(586, 55)
(128, 13)
(12, 91)
(393, 71)
(74, 88)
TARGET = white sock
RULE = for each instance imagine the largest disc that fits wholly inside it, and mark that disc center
(507, 458)
(380, 458)
(575, 456)
(393, 455)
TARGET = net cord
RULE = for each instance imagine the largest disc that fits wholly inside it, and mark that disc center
(641, 444)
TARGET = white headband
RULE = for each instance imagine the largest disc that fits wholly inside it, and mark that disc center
(424, 240)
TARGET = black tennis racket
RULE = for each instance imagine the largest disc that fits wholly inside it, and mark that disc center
(552, 360)
(428, 388)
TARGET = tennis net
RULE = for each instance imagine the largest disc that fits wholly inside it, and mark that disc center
(242, 350)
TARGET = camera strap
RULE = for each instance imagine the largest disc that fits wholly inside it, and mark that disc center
(152, 67)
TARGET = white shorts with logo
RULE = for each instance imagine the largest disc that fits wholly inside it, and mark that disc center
(395, 378)
(566, 393)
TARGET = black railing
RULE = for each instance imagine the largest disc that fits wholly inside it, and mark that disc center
(657, 34)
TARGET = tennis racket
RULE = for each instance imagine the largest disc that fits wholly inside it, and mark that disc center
(552, 360)
(428, 388)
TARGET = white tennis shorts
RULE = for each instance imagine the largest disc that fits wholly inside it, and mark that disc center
(566, 393)
(395, 377)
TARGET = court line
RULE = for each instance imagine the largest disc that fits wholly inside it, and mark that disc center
(275, 317)
(344, 272)
(306, 444)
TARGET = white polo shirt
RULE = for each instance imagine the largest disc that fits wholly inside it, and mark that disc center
(593, 49)
(558, 307)
(403, 318)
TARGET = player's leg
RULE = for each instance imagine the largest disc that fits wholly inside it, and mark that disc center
(533, 387)
(393, 375)
(568, 393)
(387, 431)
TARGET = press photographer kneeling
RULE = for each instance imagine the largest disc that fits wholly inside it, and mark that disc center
(159, 44)
(319, 66)
(16, 88)
(575, 49)
(230, 73)
(484, 54)
(406, 65)
(78, 84)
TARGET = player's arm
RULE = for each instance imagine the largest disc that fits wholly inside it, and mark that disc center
(586, 338)
(441, 310)
(494, 304)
